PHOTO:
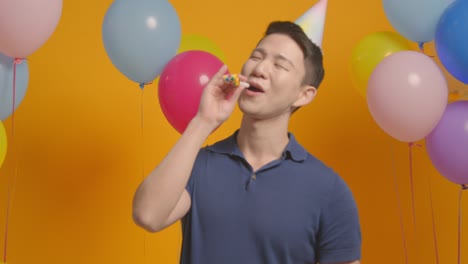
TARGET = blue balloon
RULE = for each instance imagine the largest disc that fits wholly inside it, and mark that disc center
(415, 19)
(141, 36)
(6, 85)
(451, 40)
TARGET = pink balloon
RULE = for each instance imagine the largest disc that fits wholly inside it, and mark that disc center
(407, 95)
(181, 85)
(25, 25)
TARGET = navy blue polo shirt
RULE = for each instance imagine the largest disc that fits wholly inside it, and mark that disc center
(292, 210)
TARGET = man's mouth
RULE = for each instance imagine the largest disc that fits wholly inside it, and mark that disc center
(255, 89)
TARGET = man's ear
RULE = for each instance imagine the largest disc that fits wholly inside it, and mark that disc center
(306, 95)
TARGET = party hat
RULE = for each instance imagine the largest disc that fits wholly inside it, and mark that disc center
(313, 22)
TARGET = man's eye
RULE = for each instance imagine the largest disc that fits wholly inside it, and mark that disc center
(281, 67)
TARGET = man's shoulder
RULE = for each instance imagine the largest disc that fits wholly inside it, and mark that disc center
(332, 181)
(323, 173)
(318, 165)
(208, 151)
(224, 145)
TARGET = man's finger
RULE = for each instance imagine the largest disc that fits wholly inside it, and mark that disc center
(236, 94)
(219, 74)
(217, 79)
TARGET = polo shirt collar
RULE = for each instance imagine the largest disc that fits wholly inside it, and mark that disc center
(229, 146)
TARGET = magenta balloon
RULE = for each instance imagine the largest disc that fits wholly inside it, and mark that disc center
(447, 144)
(407, 95)
(181, 85)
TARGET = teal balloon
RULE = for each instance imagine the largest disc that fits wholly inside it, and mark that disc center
(141, 36)
(6, 85)
(416, 20)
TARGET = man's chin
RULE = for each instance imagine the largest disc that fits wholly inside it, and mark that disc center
(246, 107)
(250, 112)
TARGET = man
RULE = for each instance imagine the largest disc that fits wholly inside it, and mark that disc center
(258, 196)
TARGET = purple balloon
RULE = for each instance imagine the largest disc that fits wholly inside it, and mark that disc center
(447, 144)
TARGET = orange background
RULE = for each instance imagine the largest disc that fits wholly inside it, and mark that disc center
(79, 150)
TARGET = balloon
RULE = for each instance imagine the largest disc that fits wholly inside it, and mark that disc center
(369, 52)
(451, 40)
(181, 85)
(6, 84)
(407, 95)
(447, 144)
(25, 25)
(415, 19)
(198, 42)
(140, 37)
(3, 144)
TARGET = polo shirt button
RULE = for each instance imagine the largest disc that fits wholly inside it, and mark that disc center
(254, 177)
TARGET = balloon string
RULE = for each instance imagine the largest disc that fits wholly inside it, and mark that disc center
(15, 63)
(142, 158)
(6, 226)
(141, 114)
(410, 147)
(434, 233)
(460, 195)
(10, 194)
(402, 227)
(7, 215)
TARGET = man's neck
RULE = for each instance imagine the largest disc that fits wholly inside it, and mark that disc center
(263, 141)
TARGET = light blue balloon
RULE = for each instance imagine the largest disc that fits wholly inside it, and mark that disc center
(141, 36)
(415, 19)
(6, 85)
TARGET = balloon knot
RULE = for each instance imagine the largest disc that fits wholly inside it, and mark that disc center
(142, 85)
(18, 61)
(464, 187)
(412, 144)
(421, 46)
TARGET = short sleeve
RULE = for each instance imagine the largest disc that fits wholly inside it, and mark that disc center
(339, 236)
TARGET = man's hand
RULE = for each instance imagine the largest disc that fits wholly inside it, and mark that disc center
(219, 99)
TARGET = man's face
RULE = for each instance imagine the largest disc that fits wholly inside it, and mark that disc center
(277, 68)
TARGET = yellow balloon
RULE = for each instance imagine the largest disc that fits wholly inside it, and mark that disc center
(3, 143)
(198, 42)
(370, 51)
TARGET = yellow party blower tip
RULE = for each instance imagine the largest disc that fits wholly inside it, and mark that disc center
(233, 79)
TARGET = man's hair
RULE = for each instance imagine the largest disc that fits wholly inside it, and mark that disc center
(313, 59)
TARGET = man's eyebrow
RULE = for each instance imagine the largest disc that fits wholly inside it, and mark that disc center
(282, 57)
(262, 51)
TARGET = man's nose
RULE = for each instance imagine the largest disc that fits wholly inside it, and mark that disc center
(261, 69)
